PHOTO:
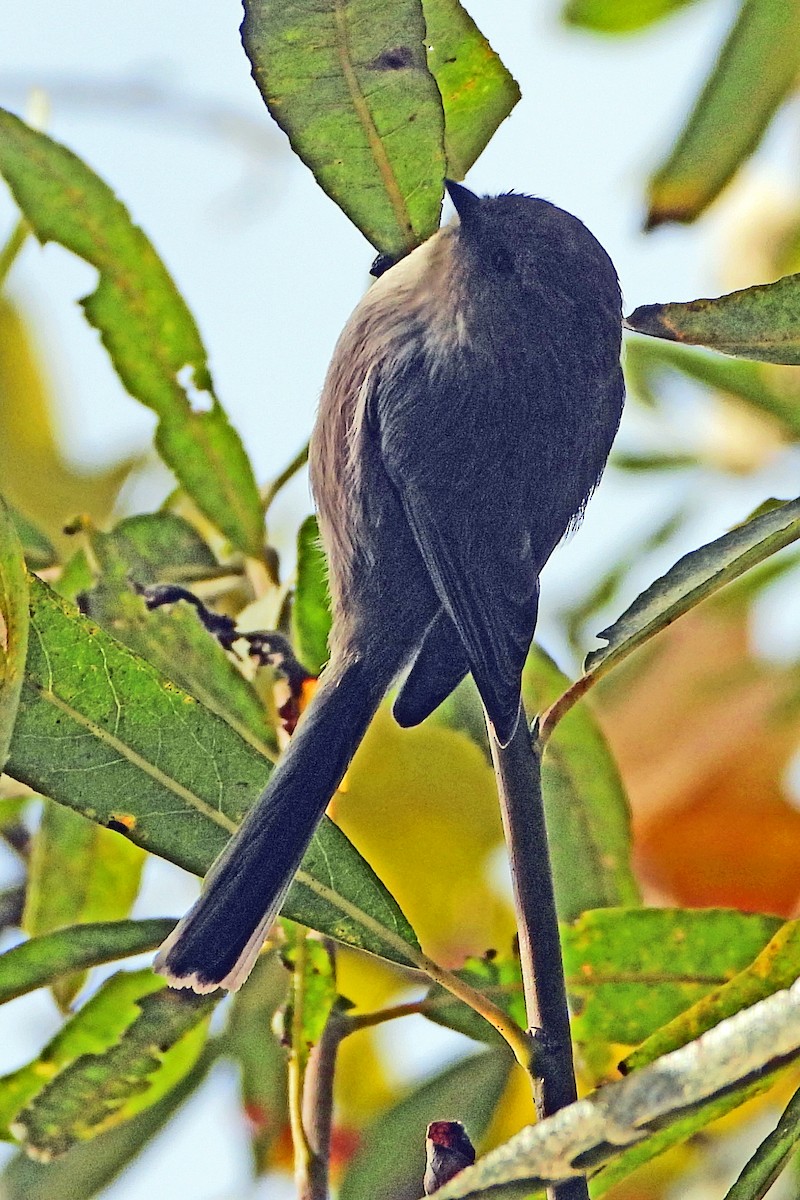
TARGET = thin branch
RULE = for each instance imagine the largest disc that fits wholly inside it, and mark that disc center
(305, 1171)
(9, 252)
(271, 490)
(352, 1022)
(524, 1048)
(517, 767)
(560, 707)
(318, 1100)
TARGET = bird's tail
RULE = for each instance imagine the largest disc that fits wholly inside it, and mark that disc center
(218, 941)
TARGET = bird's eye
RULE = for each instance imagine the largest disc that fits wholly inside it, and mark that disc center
(502, 261)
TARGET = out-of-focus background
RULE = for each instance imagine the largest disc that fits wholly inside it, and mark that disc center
(158, 99)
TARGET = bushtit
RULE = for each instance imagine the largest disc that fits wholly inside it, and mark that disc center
(467, 414)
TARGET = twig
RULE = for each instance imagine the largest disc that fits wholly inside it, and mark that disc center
(561, 706)
(318, 1101)
(518, 770)
(306, 1172)
(12, 247)
(271, 490)
(352, 1022)
(318, 1093)
(312, 1069)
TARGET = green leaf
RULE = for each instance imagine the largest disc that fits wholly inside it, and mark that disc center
(311, 611)
(78, 872)
(102, 732)
(619, 16)
(348, 82)
(469, 1092)
(694, 577)
(163, 546)
(771, 1157)
(174, 640)
(96, 1027)
(100, 1089)
(756, 69)
(13, 627)
(761, 322)
(776, 966)
(629, 971)
(38, 551)
(77, 576)
(105, 734)
(260, 1058)
(588, 820)
(90, 1166)
(477, 91)
(641, 463)
(144, 323)
(496, 976)
(677, 1132)
(768, 388)
(156, 548)
(313, 991)
(42, 960)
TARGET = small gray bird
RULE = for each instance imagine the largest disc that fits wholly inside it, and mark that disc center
(467, 415)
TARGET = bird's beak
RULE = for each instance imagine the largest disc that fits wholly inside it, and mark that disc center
(467, 204)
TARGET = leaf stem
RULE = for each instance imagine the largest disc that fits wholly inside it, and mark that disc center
(9, 252)
(518, 770)
(567, 700)
(353, 1022)
(270, 491)
(524, 1047)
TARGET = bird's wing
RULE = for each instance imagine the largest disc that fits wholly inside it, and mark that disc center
(493, 459)
(461, 468)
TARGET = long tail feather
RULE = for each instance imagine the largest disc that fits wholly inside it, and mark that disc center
(217, 942)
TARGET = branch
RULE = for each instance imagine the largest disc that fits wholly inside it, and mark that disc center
(518, 771)
(595, 1129)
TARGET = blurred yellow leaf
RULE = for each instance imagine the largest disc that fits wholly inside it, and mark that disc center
(37, 477)
(421, 806)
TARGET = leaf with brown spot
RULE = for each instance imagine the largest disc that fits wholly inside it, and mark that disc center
(761, 322)
(348, 82)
